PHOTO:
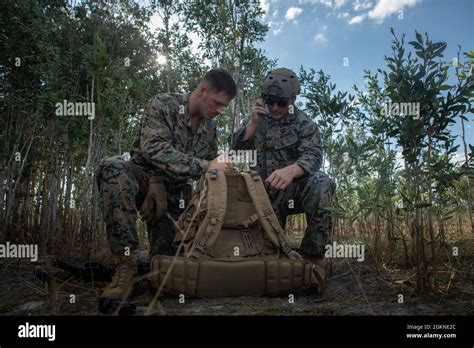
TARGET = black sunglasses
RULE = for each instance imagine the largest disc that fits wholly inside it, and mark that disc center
(280, 102)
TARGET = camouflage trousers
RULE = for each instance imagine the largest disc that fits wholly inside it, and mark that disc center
(310, 195)
(123, 187)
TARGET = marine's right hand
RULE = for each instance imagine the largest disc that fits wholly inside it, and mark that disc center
(258, 111)
(221, 162)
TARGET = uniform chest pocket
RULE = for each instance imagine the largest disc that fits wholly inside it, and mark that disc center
(286, 140)
(201, 148)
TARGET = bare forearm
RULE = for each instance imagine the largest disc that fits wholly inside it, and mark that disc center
(297, 170)
(249, 130)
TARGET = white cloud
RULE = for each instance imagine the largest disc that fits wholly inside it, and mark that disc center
(327, 3)
(385, 8)
(320, 38)
(377, 10)
(292, 13)
(343, 15)
(277, 27)
(357, 19)
(364, 5)
(265, 6)
(339, 3)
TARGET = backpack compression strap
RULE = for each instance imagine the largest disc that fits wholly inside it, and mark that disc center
(266, 213)
(211, 225)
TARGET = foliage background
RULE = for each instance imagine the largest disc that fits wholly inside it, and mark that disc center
(410, 215)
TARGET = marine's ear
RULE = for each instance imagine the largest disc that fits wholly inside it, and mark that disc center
(202, 89)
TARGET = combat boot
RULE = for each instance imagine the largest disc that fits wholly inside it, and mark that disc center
(319, 276)
(122, 282)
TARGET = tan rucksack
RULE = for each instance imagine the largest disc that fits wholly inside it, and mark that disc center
(231, 243)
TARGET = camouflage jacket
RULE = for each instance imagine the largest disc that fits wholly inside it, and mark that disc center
(166, 144)
(294, 139)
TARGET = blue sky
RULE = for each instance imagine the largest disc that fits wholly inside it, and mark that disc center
(319, 34)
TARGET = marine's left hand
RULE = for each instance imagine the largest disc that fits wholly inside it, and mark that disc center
(280, 178)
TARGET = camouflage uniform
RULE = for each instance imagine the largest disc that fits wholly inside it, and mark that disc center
(165, 146)
(294, 139)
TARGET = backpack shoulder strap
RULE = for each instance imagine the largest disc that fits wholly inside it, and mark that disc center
(265, 211)
(211, 225)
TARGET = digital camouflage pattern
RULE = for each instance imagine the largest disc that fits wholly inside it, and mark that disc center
(294, 139)
(309, 195)
(165, 146)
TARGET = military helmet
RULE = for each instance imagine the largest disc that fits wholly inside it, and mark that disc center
(282, 83)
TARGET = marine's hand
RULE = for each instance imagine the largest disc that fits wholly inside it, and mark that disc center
(221, 162)
(258, 111)
(280, 178)
(154, 206)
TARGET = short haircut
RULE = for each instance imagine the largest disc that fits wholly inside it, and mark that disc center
(220, 80)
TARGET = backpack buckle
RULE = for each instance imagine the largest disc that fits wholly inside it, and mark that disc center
(250, 221)
(213, 215)
(213, 173)
(254, 175)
